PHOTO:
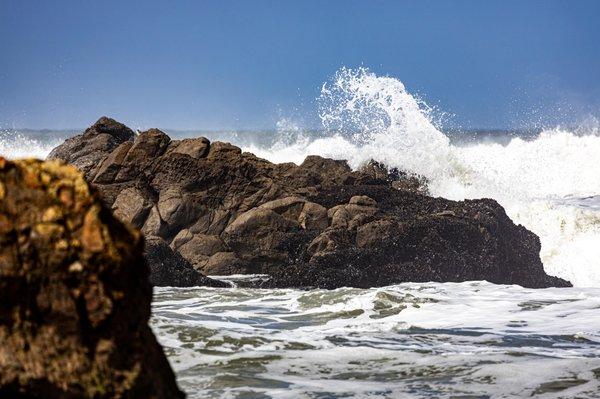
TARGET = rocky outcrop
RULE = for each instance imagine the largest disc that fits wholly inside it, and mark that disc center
(86, 150)
(74, 292)
(315, 224)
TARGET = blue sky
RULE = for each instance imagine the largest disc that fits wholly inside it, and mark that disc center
(246, 64)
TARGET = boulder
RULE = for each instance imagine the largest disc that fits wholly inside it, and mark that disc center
(88, 149)
(308, 215)
(363, 200)
(197, 248)
(148, 145)
(259, 237)
(74, 292)
(112, 164)
(196, 148)
(224, 263)
(154, 224)
(220, 149)
(176, 209)
(313, 216)
(257, 221)
(319, 223)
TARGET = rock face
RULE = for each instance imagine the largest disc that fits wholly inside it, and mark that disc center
(74, 293)
(315, 224)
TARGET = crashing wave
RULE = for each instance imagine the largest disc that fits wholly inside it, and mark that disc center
(541, 182)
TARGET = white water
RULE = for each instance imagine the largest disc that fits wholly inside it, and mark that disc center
(14, 144)
(543, 183)
(410, 340)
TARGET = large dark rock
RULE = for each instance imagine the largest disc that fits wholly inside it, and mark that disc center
(315, 224)
(74, 293)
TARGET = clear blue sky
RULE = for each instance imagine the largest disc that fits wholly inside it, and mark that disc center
(245, 64)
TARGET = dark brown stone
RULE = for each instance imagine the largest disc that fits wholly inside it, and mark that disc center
(195, 148)
(74, 293)
(88, 149)
(315, 224)
(112, 164)
(131, 206)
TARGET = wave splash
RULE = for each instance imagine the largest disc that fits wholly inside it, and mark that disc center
(550, 183)
(15, 144)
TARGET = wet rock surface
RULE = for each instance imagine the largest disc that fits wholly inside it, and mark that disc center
(74, 292)
(315, 224)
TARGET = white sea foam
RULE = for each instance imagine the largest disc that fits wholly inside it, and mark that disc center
(542, 182)
(421, 340)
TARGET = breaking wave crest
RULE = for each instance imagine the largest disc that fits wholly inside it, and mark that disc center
(548, 183)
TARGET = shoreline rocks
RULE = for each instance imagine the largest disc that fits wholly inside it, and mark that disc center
(74, 292)
(318, 224)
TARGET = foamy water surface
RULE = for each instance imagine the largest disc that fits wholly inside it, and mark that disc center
(472, 339)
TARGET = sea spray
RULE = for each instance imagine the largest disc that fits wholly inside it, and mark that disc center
(15, 144)
(541, 182)
(547, 182)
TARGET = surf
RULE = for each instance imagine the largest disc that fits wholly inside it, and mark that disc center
(543, 182)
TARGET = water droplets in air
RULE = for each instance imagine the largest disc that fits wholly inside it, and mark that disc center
(541, 181)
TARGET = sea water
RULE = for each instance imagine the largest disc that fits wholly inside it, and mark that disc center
(472, 339)
(467, 340)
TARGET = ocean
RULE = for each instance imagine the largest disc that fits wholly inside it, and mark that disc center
(467, 340)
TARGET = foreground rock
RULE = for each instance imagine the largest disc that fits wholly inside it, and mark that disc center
(74, 293)
(317, 224)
